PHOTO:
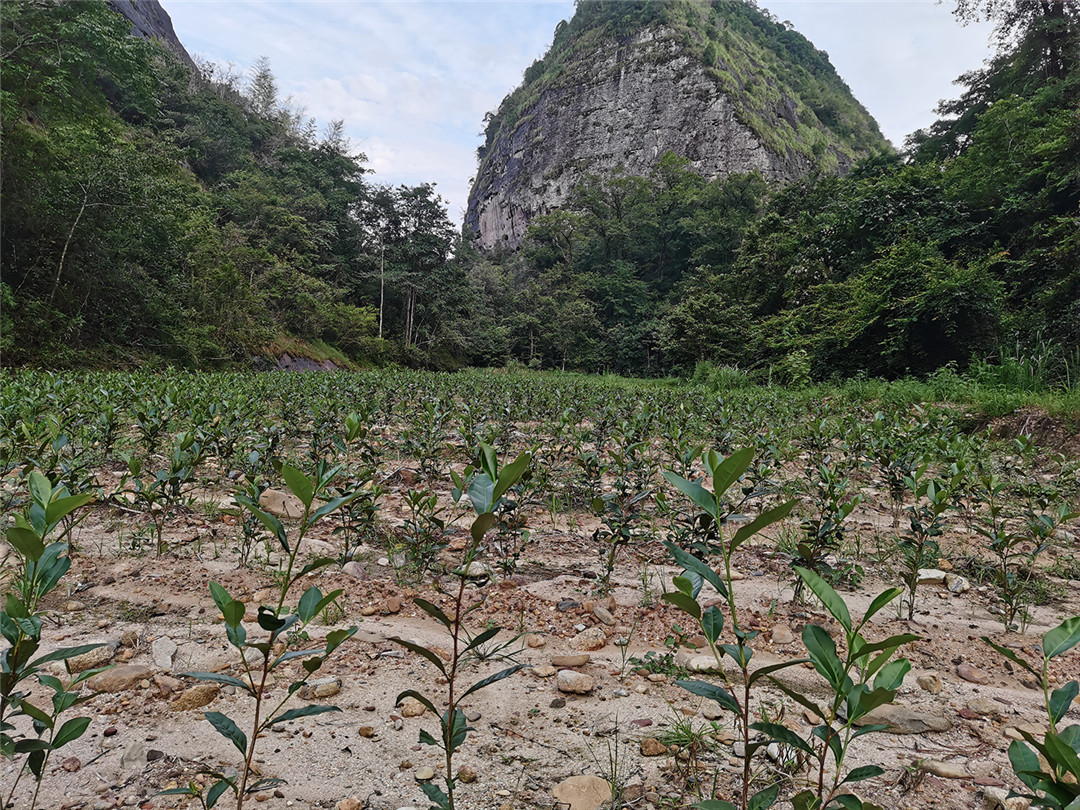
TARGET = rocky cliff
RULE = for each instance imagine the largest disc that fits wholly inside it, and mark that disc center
(150, 20)
(720, 84)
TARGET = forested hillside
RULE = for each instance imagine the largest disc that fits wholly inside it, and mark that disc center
(968, 242)
(152, 211)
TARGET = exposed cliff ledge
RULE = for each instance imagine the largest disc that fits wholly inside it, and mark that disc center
(628, 99)
(150, 20)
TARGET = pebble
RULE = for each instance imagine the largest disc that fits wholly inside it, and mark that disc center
(781, 634)
(575, 682)
(321, 688)
(466, 774)
(971, 673)
(558, 703)
(604, 615)
(652, 747)
(196, 697)
(567, 604)
(946, 770)
(594, 638)
(162, 651)
(930, 682)
(119, 679)
(570, 660)
(411, 707)
(535, 641)
(425, 773)
(543, 670)
(392, 605)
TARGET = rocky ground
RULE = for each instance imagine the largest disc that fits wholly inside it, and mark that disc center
(584, 714)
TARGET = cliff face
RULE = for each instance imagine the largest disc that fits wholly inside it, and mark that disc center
(150, 20)
(622, 101)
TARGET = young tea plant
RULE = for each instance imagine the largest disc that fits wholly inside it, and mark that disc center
(848, 675)
(919, 548)
(724, 473)
(485, 490)
(1050, 767)
(43, 561)
(262, 659)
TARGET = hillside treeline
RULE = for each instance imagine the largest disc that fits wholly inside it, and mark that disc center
(155, 212)
(964, 245)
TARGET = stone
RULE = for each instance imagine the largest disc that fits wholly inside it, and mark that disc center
(167, 684)
(119, 679)
(535, 641)
(995, 798)
(558, 703)
(73, 606)
(366, 731)
(956, 583)
(930, 682)
(466, 774)
(604, 615)
(473, 715)
(411, 707)
(904, 721)
(583, 792)
(478, 570)
(543, 671)
(130, 638)
(425, 773)
(652, 747)
(570, 660)
(711, 710)
(931, 576)
(162, 651)
(280, 503)
(575, 683)
(134, 756)
(592, 638)
(355, 570)
(972, 674)
(349, 804)
(946, 770)
(567, 604)
(71, 764)
(392, 605)
(196, 697)
(702, 663)
(781, 634)
(368, 610)
(320, 688)
(984, 707)
(98, 657)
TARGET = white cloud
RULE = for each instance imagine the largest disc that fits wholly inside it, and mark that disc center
(412, 80)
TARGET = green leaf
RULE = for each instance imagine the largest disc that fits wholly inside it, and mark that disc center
(747, 531)
(483, 638)
(695, 492)
(217, 677)
(298, 484)
(712, 623)
(509, 475)
(71, 730)
(62, 655)
(880, 601)
(1062, 638)
(435, 793)
(712, 692)
(498, 676)
(762, 672)
(26, 542)
(686, 603)
(40, 489)
(218, 788)
(764, 798)
(432, 610)
(1062, 754)
(731, 469)
(832, 601)
(1012, 656)
(1061, 699)
(482, 525)
(892, 675)
(481, 493)
(306, 608)
(691, 563)
(228, 729)
(822, 650)
(893, 642)
(303, 711)
(863, 772)
(1025, 763)
(424, 652)
(62, 507)
(715, 804)
(414, 694)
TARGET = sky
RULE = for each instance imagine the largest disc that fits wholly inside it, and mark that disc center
(412, 79)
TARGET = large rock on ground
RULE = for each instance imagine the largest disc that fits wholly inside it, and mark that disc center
(901, 720)
(119, 679)
(582, 792)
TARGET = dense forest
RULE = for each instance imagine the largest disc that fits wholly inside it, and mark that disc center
(152, 212)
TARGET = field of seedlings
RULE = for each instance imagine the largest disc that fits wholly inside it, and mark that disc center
(400, 589)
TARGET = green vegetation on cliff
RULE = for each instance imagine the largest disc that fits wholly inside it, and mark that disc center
(784, 89)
